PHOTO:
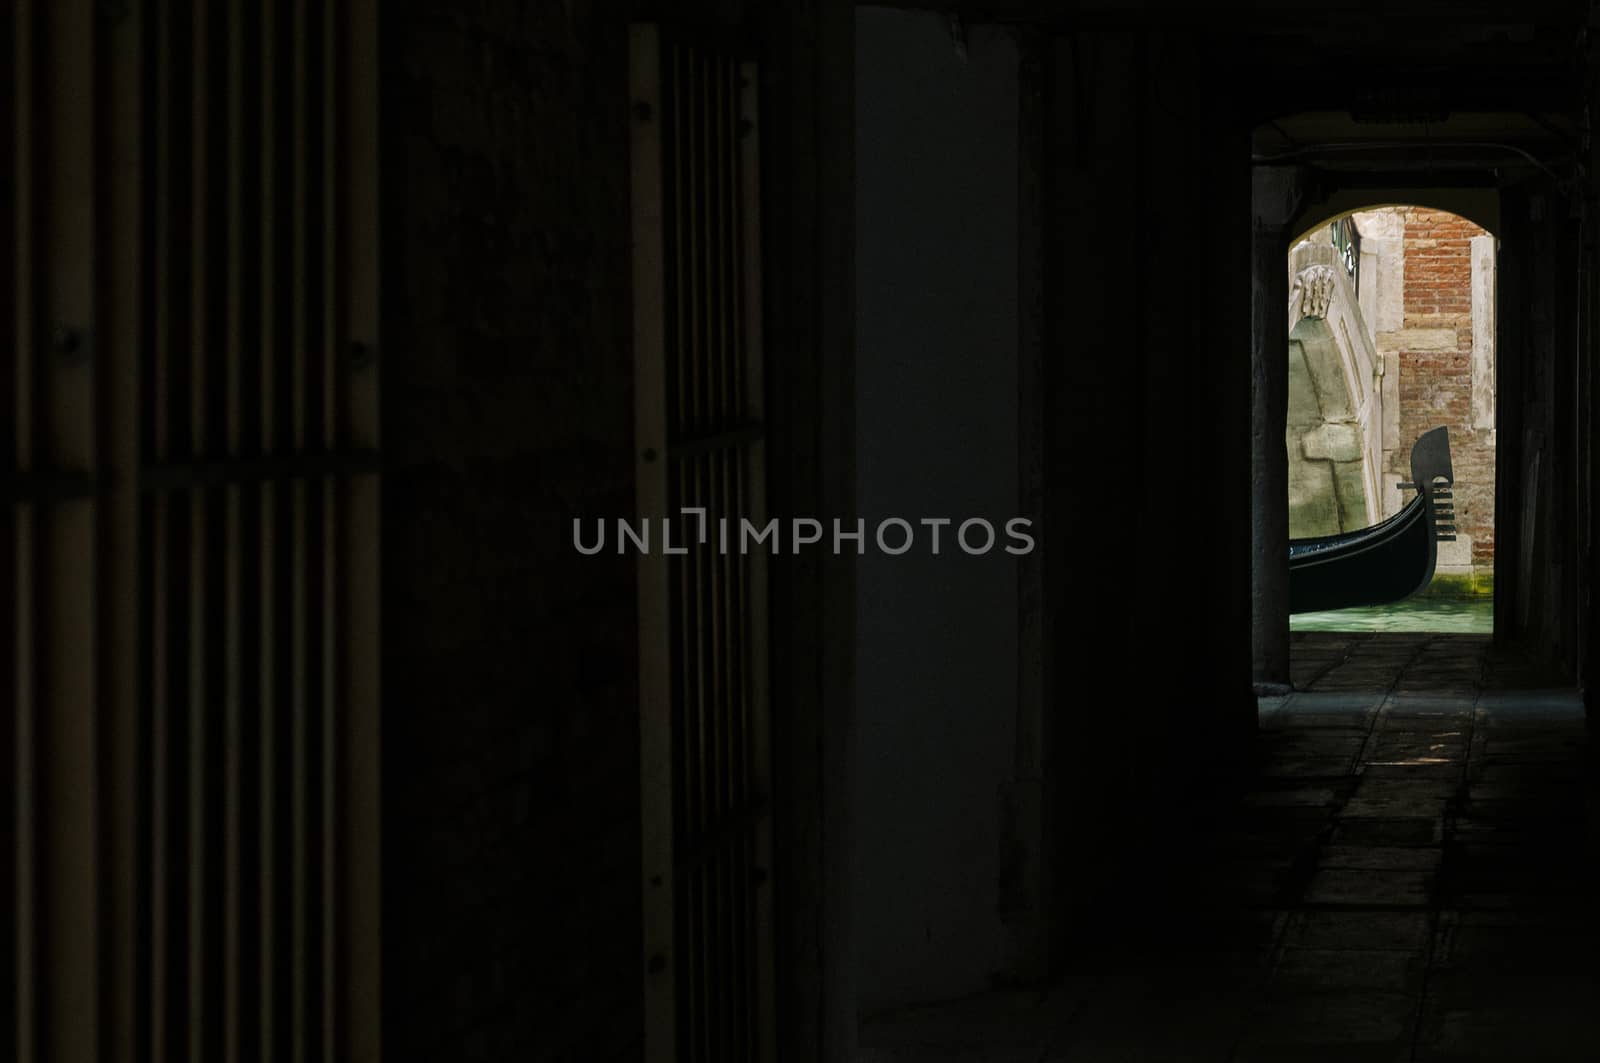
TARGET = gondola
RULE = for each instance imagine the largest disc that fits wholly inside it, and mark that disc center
(1389, 561)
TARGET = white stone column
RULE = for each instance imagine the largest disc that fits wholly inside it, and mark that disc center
(1483, 299)
(1383, 278)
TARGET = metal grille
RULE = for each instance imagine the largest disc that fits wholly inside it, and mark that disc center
(1347, 239)
(190, 652)
(703, 708)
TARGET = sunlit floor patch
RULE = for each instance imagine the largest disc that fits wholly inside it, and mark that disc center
(1456, 616)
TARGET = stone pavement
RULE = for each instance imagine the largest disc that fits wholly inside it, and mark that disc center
(1407, 878)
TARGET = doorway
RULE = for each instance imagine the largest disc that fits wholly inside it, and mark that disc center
(1391, 326)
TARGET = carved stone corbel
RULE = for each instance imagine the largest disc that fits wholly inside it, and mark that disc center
(1314, 287)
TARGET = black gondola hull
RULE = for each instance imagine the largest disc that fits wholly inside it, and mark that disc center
(1376, 566)
(1387, 562)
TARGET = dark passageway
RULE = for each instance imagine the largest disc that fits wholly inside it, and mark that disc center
(332, 334)
(1408, 877)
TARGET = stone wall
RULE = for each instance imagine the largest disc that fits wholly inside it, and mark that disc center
(512, 895)
(1336, 411)
(511, 892)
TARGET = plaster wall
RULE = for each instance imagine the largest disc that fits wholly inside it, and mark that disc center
(937, 414)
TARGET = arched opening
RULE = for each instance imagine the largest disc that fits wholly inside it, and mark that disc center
(1391, 335)
(1502, 173)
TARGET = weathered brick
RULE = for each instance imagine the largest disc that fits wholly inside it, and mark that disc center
(1436, 377)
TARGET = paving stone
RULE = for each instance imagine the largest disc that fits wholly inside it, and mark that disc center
(1338, 723)
(1429, 706)
(1546, 706)
(1377, 889)
(1379, 858)
(1512, 744)
(1563, 915)
(1311, 744)
(1425, 831)
(1397, 1051)
(1453, 772)
(1345, 970)
(1307, 767)
(1407, 785)
(1311, 795)
(1512, 774)
(1327, 1019)
(1357, 703)
(1395, 806)
(1421, 749)
(1403, 931)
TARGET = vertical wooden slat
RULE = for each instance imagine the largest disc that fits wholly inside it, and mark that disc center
(25, 252)
(727, 1004)
(705, 361)
(25, 744)
(26, 782)
(159, 608)
(711, 579)
(726, 874)
(675, 82)
(690, 175)
(741, 855)
(754, 399)
(271, 341)
(300, 333)
(161, 959)
(654, 597)
(333, 620)
(122, 189)
(360, 749)
(198, 976)
(711, 117)
(685, 795)
(138, 623)
(233, 744)
(693, 175)
(68, 636)
(299, 766)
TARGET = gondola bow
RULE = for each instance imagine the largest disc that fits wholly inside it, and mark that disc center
(1386, 562)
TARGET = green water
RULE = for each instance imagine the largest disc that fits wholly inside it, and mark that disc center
(1466, 616)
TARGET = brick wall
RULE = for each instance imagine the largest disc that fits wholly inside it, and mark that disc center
(1436, 383)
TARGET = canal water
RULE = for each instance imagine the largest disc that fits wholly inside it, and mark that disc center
(1470, 616)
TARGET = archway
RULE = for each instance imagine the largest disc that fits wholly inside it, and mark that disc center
(1497, 170)
(1391, 323)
